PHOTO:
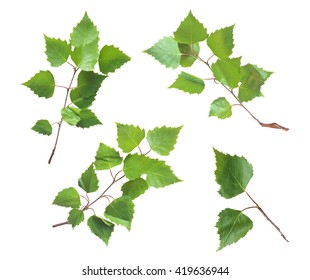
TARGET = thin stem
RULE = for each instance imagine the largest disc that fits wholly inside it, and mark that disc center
(265, 215)
(75, 69)
(270, 125)
(141, 153)
(61, 224)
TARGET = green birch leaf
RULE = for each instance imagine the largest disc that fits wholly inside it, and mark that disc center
(189, 54)
(68, 198)
(42, 84)
(221, 42)
(107, 157)
(188, 83)
(167, 52)
(252, 79)
(129, 136)
(163, 139)
(87, 119)
(43, 127)
(232, 173)
(75, 217)
(136, 165)
(85, 57)
(120, 211)
(101, 228)
(190, 31)
(135, 188)
(227, 71)
(81, 101)
(84, 32)
(57, 51)
(89, 181)
(220, 108)
(71, 115)
(111, 59)
(232, 225)
(160, 175)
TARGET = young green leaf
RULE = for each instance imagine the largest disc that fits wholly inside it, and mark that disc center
(227, 71)
(221, 42)
(220, 108)
(107, 157)
(43, 127)
(135, 188)
(190, 31)
(89, 181)
(188, 83)
(189, 54)
(129, 136)
(57, 51)
(71, 115)
(85, 57)
(232, 173)
(120, 211)
(111, 59)
(75, 217)
(163, 139)
(136, 165)
(101, 228)
(160, 175)
(68, 198)
(42, 84)
(167, 52)
(232, 225)
(84, 32)
(252, 79)
(87, 119)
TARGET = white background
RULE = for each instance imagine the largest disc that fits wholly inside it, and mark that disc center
(173, 226)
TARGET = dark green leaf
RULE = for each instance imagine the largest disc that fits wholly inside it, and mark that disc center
(129, 136)
(232, 173)
(68, 198)
(163, 139)
(75, 217)
(232, 225)
(42, 84)
(190, 31)
(57, 51)
(188, 83)
(89, 181)
(88, 119)
(160, 175)
(220, 108)
(107, 157)
(43, 127)
(120, 211)
(252, 79)
(135, 188)
(101, 228)
(221, 42)
(189, 54)
(227, 71)
(85, 57)
(84, 32)
(111, 59)
(166, 51)
(136, 165)
(71, 115)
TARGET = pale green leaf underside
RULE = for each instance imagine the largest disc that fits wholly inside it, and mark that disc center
(75, 217)
(135, 188)
(129, 137)
(166, 51)
(101, 228)
(57, 51)
(220, 108)
(188, 83)
(89, 181)
(232, 173)
(232, 225)
(71, 115)
(43, 127)
(107, 157)
(120, 211)
(68, 198)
